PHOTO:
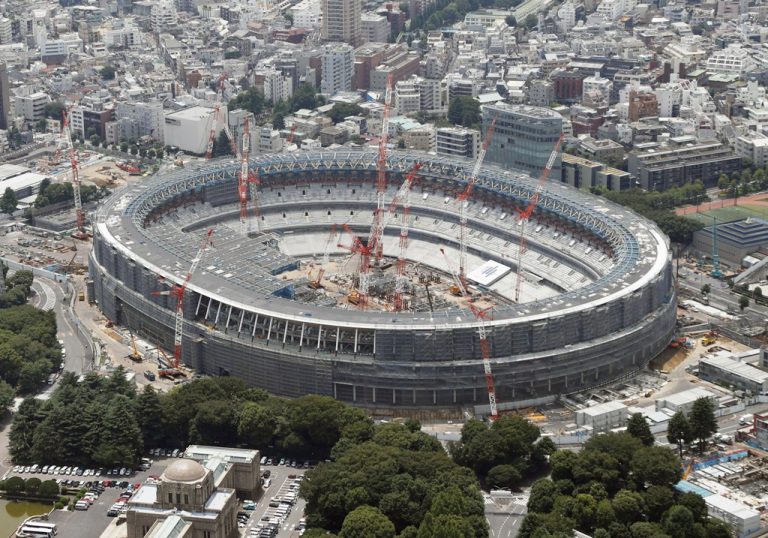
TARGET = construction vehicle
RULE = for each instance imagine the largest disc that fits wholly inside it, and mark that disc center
(316, 283)
(709, 339)
(132, 168)
(353, 297)
(485, 348)
(135, 355)
(178, 292)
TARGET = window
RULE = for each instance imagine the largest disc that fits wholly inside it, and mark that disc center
(170, 498)
(178, 499)
(186, 499)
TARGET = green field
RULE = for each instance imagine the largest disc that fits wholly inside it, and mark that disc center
(731, 213)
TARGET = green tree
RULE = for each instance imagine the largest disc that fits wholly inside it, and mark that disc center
(54, 110)
(743, 302)
(718, 529)
(344, 110)
(107, 72)
(9, 202)
(257, 425)
(32, 486)
(638, 427)
(706, 289)
(49, 488)
(367, 522)
(645, 529)
(95, 140)
(679, 431)
(541, 498)
(702, 420)
(14, 485)
(511, 21)
(628, 506)
(278, 121)
(658, 499)
(503, 476)
(464, 111)
(678, 522)
(149, 413)
(119, 440)
(7, 395)
(695, 503)
(531, 21)
(656, 465)
(30, 415)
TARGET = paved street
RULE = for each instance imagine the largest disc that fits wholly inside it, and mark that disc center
(505, 515)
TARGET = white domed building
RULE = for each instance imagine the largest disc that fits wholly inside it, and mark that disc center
(190, 498)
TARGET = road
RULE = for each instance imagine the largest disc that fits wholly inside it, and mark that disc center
(505, 515)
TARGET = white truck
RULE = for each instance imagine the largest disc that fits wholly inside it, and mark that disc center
(746, 419)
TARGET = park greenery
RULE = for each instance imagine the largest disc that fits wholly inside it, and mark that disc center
(16, 487)
(344, 110)
(29, 350)
(750, 179)
(54, 193)
(464, 111)
(446, 12)
(253, 101)
(617, 487)
(657, 206)
(9, 202)
(504, 453)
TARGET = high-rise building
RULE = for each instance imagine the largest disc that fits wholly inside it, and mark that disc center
(524, 136)
(342, 21)
(5, 101)
(457, 141)
(338, 61)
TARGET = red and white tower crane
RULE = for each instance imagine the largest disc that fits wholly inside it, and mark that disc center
(526, 213)
(75, 168)
(247, 179)
(463, 201)
(481, 315)
(216, 119)
(178, 291)
(375, 245)
(402, 198)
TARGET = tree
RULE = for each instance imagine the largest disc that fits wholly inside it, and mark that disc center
(757, 292)
(344, 110)
(743, 302)
(49, 488)
(628, 506)
(32, 486)
(95, 140)
(107, 72)
(531, 21)
(503, 476)
(278, 121)
(542, 495)
(511, 21)
(678, 522)
(9, 202)
(257, 425)
(54, 110)
(638, 427)
(702, 421)
(656, 465)
(464, 111)
(706, 289)
(696, 504)
(14, 485)
(149, 412)
(679, 431)
(657, 500)
(367, 521)
(7, 396)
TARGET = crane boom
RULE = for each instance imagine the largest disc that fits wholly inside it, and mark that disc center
(242, 183)
(75, 168)
(485, 347)
(464, 196)
(526, 213)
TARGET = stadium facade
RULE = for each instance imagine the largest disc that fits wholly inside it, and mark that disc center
(599, 292)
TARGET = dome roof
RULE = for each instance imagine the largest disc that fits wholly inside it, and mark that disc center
(184, 470)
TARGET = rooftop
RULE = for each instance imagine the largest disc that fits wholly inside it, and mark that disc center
(170, 527)
(231, 455)
(742, 369)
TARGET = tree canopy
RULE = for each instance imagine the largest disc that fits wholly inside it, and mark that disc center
(616, 487)
(464, 111)
(9, 202)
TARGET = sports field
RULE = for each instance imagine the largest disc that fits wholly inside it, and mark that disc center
(728, 214)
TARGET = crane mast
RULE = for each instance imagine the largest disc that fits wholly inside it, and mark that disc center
(526, 213)
(216, 119)
(74, 165)
(485, 347)
(402, 198)
(178, 291)
(375, 246)
(243, 179)
(464, 196)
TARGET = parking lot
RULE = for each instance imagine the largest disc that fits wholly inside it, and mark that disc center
(92, 522)
(281, 485)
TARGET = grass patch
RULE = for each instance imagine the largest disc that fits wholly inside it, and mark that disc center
(729, 213)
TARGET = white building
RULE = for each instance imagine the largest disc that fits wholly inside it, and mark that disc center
(683, 401)
(753, 146)
(136, 119)
(127, 36)
(486, 18)
(276, 86)
(163, 16)
(6, 31)
(597, 85)
(567, 16)
(603, 417)
(307, 14)
(338, 61)
(725, 368)
(742, 519)
(269, 140)
(65, 45)
(374, 28)
(32, 107)
(732, 60)
(189, 129)
(420, 94)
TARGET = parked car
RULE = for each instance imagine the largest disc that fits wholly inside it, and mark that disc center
(82, 505)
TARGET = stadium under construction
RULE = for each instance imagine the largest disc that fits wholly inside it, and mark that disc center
(276, 306)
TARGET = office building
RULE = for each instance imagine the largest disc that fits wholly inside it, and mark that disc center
(683, 160)
(729, 371)
(457, 141)
(5, 100)
(186, 129)
(604, 417)
(585, 174)
(524, 136)
(136, 119)
(375, 28)
(338, 62)
(342, 21)
(31, 107)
